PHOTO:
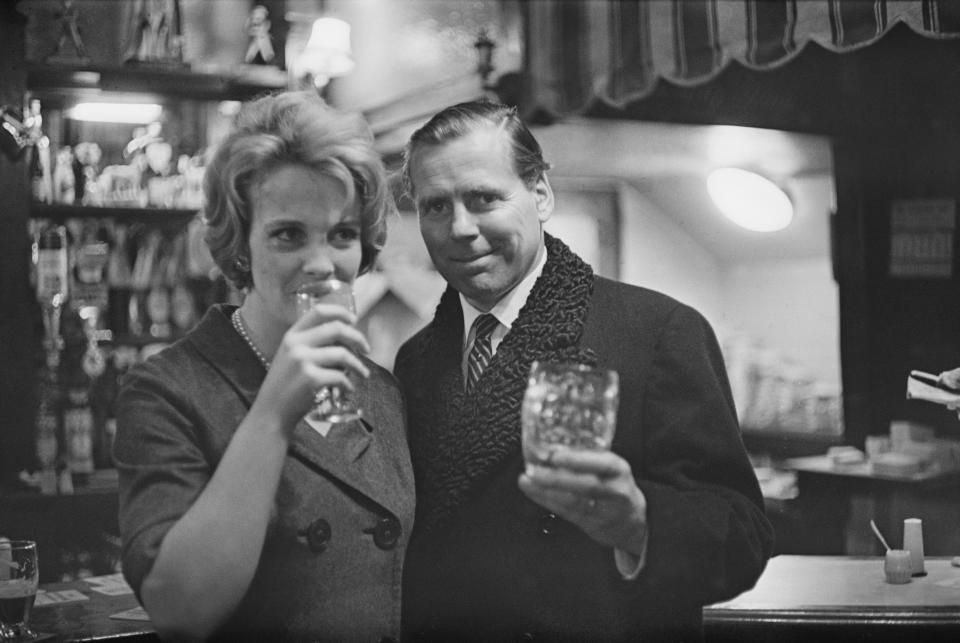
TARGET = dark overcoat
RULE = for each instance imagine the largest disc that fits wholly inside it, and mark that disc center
(489, 564)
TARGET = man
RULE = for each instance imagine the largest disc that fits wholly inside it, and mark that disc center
(620, 545)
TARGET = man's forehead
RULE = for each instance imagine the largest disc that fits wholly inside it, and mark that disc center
(485, 138)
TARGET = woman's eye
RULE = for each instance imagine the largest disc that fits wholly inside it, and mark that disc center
(287, 234)
(346, 233)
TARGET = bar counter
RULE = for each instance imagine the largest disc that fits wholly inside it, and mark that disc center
(88, 620)
(798, 598)
(804, 598)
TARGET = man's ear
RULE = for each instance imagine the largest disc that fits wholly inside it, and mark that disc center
(543, 193)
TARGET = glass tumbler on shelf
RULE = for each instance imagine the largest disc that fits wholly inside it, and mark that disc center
(568, 406)
(19, 578)
(332, 403)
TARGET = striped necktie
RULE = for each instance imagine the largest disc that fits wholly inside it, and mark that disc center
(482, 350)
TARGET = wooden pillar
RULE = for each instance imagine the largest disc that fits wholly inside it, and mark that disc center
(18, 310)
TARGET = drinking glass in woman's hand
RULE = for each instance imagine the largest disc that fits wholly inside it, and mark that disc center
(567, 406)
(331, 403)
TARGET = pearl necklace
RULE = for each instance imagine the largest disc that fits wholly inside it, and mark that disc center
(241, 329)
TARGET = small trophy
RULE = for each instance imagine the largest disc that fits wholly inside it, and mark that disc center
(69, 20)
(260, 48)
(154, 38)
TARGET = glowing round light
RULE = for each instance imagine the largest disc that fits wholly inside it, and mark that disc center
(750, 200)
(116, 112)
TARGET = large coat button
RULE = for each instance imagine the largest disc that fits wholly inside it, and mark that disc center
(318, 535)
(386, 533)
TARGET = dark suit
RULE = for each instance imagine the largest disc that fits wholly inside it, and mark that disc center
(332, 561)
(487, 563)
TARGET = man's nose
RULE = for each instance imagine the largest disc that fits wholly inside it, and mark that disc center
(463, 223)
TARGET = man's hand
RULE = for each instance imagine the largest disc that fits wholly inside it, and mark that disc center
(594, 490)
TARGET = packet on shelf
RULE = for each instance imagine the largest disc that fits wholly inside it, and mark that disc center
(841, 455)
(902, 465)
(926, 386)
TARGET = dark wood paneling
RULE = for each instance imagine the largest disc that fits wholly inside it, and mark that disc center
(18, 311)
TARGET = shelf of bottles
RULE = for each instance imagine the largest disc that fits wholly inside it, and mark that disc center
(120, 270)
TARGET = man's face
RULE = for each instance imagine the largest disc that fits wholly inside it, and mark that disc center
(480, 223)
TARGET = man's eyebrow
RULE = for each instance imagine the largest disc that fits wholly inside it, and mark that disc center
(427, 199)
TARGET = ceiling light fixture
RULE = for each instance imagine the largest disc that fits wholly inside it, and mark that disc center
(750, 200)
(327, 54)
(139, 113)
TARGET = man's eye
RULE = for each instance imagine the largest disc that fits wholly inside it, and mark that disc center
(435, 208)
(482, 200)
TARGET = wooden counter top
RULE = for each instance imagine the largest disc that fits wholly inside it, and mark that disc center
(88, 620)
(807, 594)
(796, 595)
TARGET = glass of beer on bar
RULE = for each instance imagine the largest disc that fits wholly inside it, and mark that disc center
(18, 588)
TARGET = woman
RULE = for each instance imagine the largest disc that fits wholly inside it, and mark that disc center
(239, 517)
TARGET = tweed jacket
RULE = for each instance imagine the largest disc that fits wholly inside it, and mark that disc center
(486, 563)
(332, 561)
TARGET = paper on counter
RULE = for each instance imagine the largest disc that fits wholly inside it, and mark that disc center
(920, 390)
(110, 585)
(63, 596)
(134, 614)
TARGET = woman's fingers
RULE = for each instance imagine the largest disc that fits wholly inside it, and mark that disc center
(335, 332)
(323, 313)
(326, 361)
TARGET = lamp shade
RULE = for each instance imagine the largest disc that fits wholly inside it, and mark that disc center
(327, 54)
(750, 200)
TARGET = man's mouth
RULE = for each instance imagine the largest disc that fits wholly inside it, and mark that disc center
(468, 259)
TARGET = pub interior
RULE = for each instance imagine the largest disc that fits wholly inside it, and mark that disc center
(851, 107)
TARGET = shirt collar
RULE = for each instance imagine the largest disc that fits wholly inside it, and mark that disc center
(508, 308)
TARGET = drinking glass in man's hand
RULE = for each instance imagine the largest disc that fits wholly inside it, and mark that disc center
(331, 403)
(19, 577)
(568, 406)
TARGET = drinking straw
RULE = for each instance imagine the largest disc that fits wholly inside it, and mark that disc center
(873, 526)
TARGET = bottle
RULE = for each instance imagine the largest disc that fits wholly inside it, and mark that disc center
(64, 182)
(103, 397)
(183, 307)
(158, 296)
(51, 260)
(89, 283)
(41, 184)
(138, 320)
(77, 448)
(119, 282)
(48, 429)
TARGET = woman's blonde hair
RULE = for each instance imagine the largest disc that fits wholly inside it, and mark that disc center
(291, 127)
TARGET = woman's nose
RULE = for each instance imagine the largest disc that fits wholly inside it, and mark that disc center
(319, 262)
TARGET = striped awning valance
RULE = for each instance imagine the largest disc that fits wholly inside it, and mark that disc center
(617, 50)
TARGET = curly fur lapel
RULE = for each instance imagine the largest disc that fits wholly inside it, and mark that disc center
(460, 441)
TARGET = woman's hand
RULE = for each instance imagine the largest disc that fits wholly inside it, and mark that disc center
(319, 350)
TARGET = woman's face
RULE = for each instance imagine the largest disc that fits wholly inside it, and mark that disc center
(302, 229)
